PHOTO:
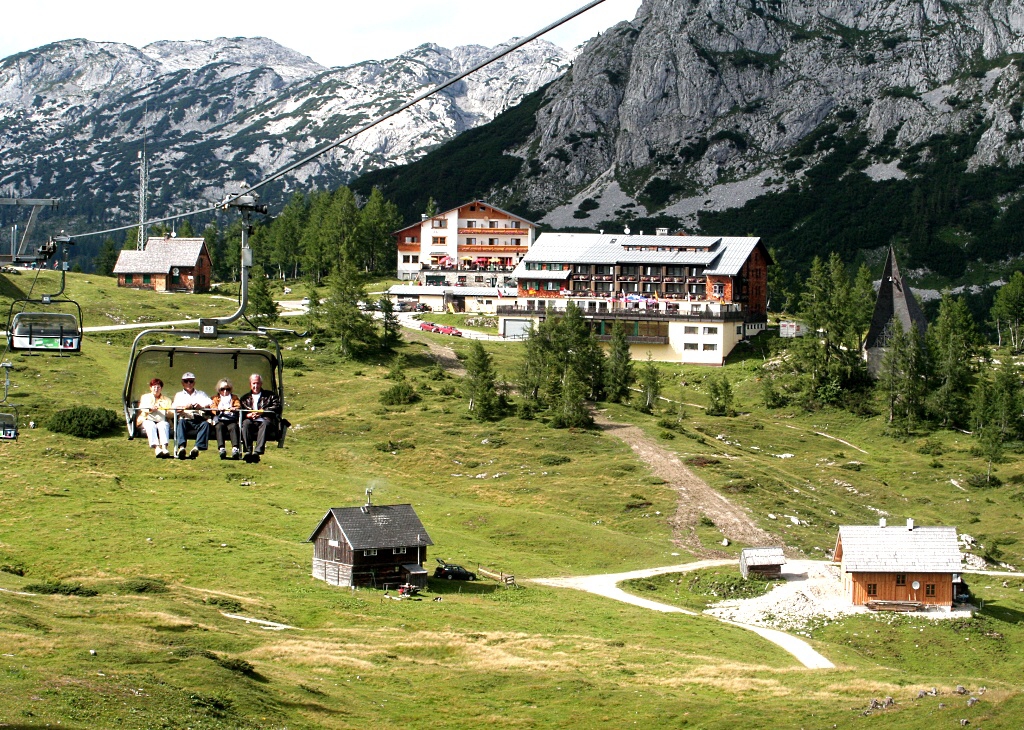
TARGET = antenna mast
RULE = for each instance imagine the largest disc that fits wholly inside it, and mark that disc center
(143, 180)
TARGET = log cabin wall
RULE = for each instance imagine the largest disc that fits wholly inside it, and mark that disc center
(857, 586)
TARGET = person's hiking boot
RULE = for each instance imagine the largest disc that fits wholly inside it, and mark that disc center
(180, 452)
(235, 453)
(223, 453)
(194, 453)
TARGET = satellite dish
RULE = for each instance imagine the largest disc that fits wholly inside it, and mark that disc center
(915, 585)
(175, 271)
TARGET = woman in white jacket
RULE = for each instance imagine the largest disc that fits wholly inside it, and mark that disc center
(152, 417)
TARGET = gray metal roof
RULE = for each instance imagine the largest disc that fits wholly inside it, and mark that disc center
(723, 256)
(161, 255)
(377, 526)
(544, 275)
(893, 549)
(459, 291)
(762, 556)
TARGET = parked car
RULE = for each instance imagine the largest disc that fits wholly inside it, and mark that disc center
(423, 308)
(450, 571)
(449, 330)
(429, 327)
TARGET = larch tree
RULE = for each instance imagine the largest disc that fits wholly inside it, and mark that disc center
(650, 385)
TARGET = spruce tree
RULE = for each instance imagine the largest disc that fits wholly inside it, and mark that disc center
(391, 327)
(720, 396)
(480, 383)
(261, 308)
(570, 410)
(619, 374)
(650, 385)
(353, 328)
(1008, 312)
(952, 348)
(901, 378)
(985, 423)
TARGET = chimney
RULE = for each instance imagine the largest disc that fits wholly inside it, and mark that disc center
(661, 231)
(881, 522)
(910, 525)
(369, 493)
(423, 216)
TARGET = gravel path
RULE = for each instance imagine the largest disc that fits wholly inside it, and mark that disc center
(607, 586)
(696, 498)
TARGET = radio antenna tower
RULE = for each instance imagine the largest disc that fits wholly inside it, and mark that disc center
(143, 182)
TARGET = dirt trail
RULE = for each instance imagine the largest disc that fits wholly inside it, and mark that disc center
(445, 356)
(696, 498)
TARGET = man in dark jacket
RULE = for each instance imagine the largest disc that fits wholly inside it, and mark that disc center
(261, 416)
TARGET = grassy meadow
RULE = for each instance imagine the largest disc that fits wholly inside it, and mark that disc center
(168, 547)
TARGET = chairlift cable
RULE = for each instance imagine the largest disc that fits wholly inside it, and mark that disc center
(366, 127)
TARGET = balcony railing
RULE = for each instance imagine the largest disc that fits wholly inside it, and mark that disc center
(636, 340)
(618, 312)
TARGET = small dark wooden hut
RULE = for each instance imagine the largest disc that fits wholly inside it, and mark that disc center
(374, 545)
(765, 562)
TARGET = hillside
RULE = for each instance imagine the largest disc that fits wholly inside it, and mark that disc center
(170, 547)
(849, 127)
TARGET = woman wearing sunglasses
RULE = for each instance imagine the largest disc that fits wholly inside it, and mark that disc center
(225, 418)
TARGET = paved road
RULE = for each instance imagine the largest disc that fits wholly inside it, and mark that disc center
(607, 586)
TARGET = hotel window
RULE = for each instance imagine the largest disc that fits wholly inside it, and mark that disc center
(492, 224)
(439, 223)
(603, 270)
(628, 271)
(517, 242)
(581, 269)
(492, 241)
(690, 330)
(710, 346)
(411, 239)
(470, 241)
(711, 330)
(603, 286)
(739, 329)
(370, 553)
(439, 241)
(652, 271)
(717, 289)
(470, 224)
(513, 224)
(550, 286)
(416, 259)
(929, 589)
(872, 589)
(689, 345)
(630, 288)
(406, 259)
(901, 579)
(398, 551)
(652, 329)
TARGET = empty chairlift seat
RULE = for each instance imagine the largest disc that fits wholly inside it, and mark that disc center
(45, 332)
(8, 426)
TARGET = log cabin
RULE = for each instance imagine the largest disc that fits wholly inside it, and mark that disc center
(763, 562)
(905, 564)
(378, 546)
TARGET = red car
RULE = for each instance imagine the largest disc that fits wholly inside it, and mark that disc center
(429, 327)
(448, 330)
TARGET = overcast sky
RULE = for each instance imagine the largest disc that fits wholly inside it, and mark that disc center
(332, 34)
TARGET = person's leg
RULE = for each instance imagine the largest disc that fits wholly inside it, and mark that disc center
(163, 431)
(218, 430)
(151, 433)
(249, 428)
(261, 436)
(236, 444)
(202, 435)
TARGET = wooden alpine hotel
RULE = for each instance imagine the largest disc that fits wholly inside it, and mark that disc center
(681, 298)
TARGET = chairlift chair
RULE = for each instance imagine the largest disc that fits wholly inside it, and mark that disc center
(8, 423)
(208, 363)
(44, 331)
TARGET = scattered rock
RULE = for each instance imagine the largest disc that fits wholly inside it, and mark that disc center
(960, 689)
(972, 701)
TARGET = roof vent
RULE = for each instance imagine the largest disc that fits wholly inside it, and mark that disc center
(369, 493)
(910, 525)
(641, 233)
(881, 522)
(626, 230)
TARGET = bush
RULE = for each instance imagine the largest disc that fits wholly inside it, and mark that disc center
(706, 521)
(57, 588)
(227, 604)
(702, 461)
(15, 568)
(554, 459)
(296, 363)
(144, 585)
(399, 394)
(980, 481)
(392, 446)
(84, 422)
(666, 435)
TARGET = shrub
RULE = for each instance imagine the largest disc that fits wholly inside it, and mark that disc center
(447, 389)
(15, 568)
(554, 459)
(227, 604)
(702, 461)
(392, 446)
(981, 481)
(237, 665)
(666, 435)
(84, 422)
(57, 588)
(637, 501)
(296, 363)
(706, 521)
(399, 394)
(144, 585)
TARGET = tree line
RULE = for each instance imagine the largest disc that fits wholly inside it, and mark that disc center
(311, 236)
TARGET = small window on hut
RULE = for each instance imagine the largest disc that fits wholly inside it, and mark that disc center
(872, 589)
(929, 589)
(333, 543)
(372, 551)
(398, 551)
(901, 579)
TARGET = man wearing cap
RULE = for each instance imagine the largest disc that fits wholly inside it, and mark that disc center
(190, 409)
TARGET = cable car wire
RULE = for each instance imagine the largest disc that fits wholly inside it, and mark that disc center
(366, 127)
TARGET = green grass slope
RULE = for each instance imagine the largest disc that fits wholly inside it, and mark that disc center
(169, 547)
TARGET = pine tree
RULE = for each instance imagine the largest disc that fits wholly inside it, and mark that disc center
(985, 422)
(952, 347)
(901, 378)
(720, 396)
(570, 410)
(650, 385)
(261, 308)
(480, 383)
(619, 374)
(353, 328)
(285, 244)
(391, 327)
(378, 218)
(106, 259)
